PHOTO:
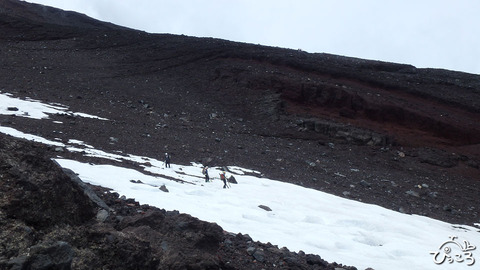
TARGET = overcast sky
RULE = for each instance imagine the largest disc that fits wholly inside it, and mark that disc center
(424, 33)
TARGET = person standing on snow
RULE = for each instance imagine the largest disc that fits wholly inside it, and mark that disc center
(167, 160)
(205, 172)
(223, 178)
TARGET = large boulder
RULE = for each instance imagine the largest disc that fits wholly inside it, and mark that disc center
(35, 190)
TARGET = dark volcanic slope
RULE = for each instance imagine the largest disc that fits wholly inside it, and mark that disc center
(372, 131)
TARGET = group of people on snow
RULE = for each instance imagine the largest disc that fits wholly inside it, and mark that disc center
(204, 171)
(222, 176)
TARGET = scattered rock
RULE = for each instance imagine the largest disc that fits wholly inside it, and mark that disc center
(345, 132)
(266, 208)
(413, 193)
(259, 255)
(164, 245)
(311, 163)
(438, 158)
(102, 215)
(316, 260)
(365, 184)
(58, 255)
(232, 180)
(164, 188)
(472, 163)
(136, 181)
(292, 261)
(86, 188)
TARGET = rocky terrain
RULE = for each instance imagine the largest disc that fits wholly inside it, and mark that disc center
(48, 221)
(404, 138)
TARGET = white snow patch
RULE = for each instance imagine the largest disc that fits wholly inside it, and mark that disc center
(35, 109)
(15, 133)
(341, 230)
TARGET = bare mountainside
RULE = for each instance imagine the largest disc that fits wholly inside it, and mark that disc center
(390, 134)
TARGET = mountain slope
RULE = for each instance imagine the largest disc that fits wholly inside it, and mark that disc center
(368, 130)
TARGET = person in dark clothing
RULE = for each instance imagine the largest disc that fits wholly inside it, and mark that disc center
(205, 172)
(224, 179)
(167, 160)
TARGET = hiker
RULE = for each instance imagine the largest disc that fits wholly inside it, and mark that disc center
(224, 179)
(167, 160)
(205, 172)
